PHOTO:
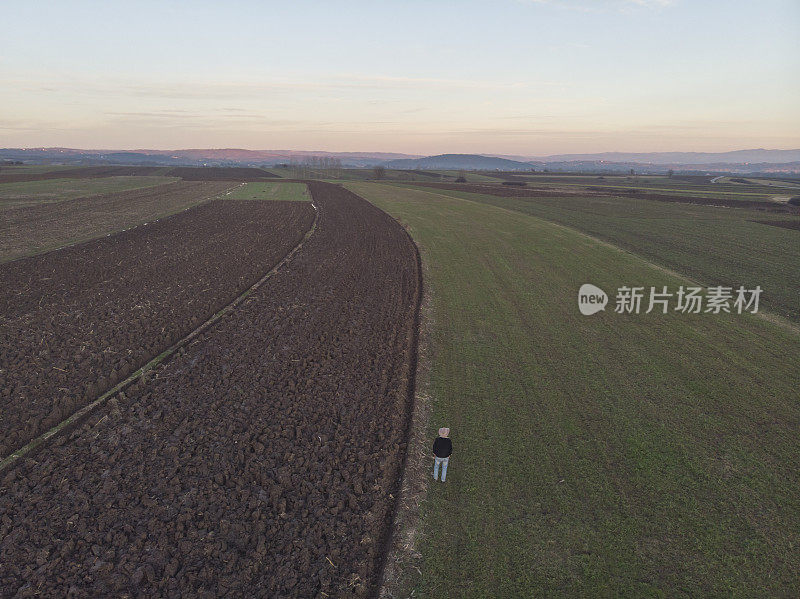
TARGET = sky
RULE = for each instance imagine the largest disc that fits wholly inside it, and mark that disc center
(516, 77)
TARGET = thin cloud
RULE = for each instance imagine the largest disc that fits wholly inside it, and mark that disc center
(232, 89)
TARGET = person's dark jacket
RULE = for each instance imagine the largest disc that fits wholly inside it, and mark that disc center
(442, 447)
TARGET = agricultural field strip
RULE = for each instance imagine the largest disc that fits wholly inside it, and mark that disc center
(34, 168)
(30, 230)
(680, 190)
(728, 255)
(271, 190)
(782, 184)
(222, 173)
(58, 190)
(556, 191)
(674, 185)
(259, 461)
(624, 446)
(76, 321)
(89, 172)
(187, 173)
(78, 417)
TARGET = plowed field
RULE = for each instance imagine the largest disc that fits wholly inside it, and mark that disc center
(219, 173)
(187, 173)
(30, 229)
(261, 462)
(75, 321)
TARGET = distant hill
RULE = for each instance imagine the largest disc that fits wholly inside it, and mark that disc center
(682, 158)
(241, 155)
(191, 157)
(739, 161)
(459, 161)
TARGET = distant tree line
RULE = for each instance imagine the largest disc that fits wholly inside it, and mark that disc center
(10, 163)
(316, 167)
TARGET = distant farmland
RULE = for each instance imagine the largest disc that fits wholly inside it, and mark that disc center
(227, 381)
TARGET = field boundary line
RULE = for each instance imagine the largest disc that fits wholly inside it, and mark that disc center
(774, 319)
(77, 418)
(402, 521)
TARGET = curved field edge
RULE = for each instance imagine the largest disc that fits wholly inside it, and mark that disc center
(643, 454)
(400, 554)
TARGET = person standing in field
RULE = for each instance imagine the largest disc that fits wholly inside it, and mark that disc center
(442, 448)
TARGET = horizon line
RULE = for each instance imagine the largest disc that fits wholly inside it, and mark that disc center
(417, 154)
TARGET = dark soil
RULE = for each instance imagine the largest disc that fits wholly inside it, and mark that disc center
(261, 462)
(76, 321)
(187, 173)
(190, 173)
(422, 173)
(86, 172)
(501, 190)
(533, 192)
(764, 205)
(699, 179)
(539, 177)
(30, 229)
(784, 224)
(506, 176)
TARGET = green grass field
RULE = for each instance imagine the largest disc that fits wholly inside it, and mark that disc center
(750, 194)
(781, 185)
(29, 169)
(651, 183)
(286, 192)
(612, 455)
(714, 246)
(471, 177)
(368, 174)
(56, 190)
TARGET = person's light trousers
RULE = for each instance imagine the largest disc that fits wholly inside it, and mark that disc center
(443, 462)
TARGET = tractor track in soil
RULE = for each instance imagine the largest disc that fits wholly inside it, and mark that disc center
(76, 321)
(76, 419)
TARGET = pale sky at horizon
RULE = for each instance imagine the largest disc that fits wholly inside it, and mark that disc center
(523, 77)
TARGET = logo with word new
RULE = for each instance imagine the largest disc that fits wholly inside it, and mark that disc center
(686, 300)
(591, 299)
